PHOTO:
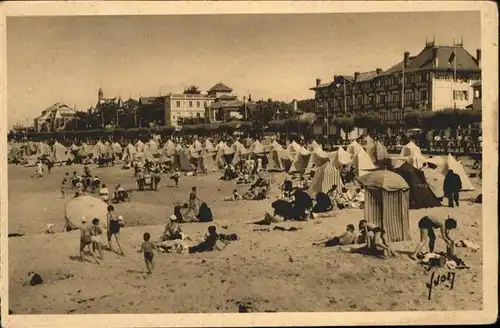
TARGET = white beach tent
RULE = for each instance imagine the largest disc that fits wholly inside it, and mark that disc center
(354, 147)
(363, 163)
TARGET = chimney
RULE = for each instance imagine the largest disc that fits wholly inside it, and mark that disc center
(435, 59)
(379, 70)
(356, 76)
(478, 57)
(318, 82)
(295, 105)
(406, 58)
(249, 98)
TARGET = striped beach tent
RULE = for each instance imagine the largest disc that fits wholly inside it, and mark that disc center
(324, 179)
(387, 203)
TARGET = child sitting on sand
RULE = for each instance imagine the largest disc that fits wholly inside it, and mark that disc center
(147, 248)
(235, 196)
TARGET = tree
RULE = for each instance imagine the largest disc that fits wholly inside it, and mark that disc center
(192, 90)
(344, 122)
(306, 105)
(413, 118)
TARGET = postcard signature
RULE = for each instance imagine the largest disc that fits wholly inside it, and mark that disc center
(447, 280)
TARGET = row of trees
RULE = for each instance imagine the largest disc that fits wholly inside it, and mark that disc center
(426, 120)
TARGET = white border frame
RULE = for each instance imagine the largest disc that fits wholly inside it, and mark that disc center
(489, 38)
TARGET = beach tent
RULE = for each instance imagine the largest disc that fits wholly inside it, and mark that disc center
(139, 145)
(435, 181)
(99, 150)
(258, 149)
(340, 158)
(185, 160)
(410, 149)
(452, 164)
(363, 163)
(209, 146)
(437, 162)
(15, 154)
(84, 206)
(387, 200)
(129, 153)
(421, 195)
(206, 163)
(325, 177)
(417, 160)
(300, 161)
(318, 158)
(197, 145)
(354, 147)
(153, 147)
(220, 159)
(294, 147)
(367, 142)
(313, 146)
(116, 149)
(43, 149)
(168, 148)
(378, 152)
(239, 155)
(59, 153)
(278, 159)
(85, 150)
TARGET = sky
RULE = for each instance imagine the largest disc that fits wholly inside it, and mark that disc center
(67, 59)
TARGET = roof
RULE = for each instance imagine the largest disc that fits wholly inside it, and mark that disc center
(227, 104)
(476, 85)
(151, 100)
(227, 97)
(220, 87)
(423, 61)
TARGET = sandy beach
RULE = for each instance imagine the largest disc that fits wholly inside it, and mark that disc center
(265, 270)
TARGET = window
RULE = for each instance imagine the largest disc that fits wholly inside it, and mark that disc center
(423, 77)
(412, 78)
(178, 104)
(190, 104)
(198, 104)
(360, 101)
(395, 97)
(424, 95)
(477, 94)
(409, 96)
(198, 115)
(382, 99)
(371, 99)
(460, 95)
(395, 80)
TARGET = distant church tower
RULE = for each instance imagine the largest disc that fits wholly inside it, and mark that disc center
(100, 96)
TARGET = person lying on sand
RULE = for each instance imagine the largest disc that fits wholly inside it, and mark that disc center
(378, 239)
(427, 224)
(348, 237)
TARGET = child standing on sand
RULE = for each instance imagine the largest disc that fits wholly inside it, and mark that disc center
(64, 185)
(147, 248)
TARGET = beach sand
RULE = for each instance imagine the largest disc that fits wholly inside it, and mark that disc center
(263, 271)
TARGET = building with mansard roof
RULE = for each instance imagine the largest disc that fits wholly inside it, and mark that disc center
(437, 78)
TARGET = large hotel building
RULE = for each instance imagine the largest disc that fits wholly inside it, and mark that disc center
(437, 78)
